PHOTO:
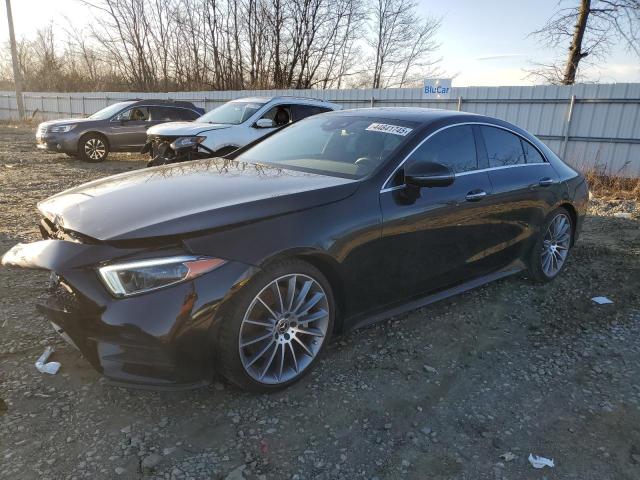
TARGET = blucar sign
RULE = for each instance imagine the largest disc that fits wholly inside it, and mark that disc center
(436, 88)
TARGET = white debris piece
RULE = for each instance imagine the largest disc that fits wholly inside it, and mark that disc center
(508, 456)
(47, 367)
(540, 462)
(622, 215)
(602, 300)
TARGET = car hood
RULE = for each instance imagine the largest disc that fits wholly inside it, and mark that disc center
(66, 121)
(183, 129)
(183, 198)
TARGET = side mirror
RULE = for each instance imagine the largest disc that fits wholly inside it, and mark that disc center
(264, 123)
(428, 174)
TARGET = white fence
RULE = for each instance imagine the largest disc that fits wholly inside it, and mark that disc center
(587, 125)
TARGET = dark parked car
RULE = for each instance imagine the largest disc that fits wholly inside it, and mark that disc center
(121, 127)
(334, 222)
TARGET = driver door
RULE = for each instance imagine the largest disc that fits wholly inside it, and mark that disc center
(129, 128)
(443, 237)
(279, 114)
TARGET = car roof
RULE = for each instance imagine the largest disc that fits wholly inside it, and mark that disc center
(411, 114)
(164, 103)
(303, 100)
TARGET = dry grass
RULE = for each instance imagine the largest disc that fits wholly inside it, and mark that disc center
(610, 186)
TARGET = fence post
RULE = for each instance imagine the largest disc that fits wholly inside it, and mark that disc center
(372, 101)
(567, 126)
(84, 112)
(460, 103)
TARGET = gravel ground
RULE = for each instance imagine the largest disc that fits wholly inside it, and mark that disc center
(464, 389)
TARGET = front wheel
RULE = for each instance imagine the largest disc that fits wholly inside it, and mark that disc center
(552, 247)
(93, 148)
(277, 327)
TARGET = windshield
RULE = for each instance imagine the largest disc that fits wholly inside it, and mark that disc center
(231, 113)
(109, 111)
(343, 146)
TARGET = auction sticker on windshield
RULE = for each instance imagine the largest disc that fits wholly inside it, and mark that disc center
(385, 128)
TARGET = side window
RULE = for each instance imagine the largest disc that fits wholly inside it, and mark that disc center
(186, 114)
(531, 153)
(303, 111)
(135, 114)
(280, 114)
(503, 148)
(454, 147)
(164, 114)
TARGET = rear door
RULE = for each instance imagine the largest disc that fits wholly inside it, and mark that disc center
(524, 189)
(442, 238)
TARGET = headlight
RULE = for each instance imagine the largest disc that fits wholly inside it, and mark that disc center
(61, 128)
(126, 279)
(186, 142)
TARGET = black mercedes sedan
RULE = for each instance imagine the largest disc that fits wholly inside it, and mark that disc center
(247, 264)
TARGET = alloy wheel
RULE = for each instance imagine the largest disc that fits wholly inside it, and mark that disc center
(556, 244)
(95, 148)
(284, 329)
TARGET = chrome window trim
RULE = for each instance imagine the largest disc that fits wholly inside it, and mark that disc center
(395, 170)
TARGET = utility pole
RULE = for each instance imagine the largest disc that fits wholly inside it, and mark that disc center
(16, 68)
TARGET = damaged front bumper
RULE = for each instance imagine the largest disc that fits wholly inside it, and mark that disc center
(161, 339)
(161, 151)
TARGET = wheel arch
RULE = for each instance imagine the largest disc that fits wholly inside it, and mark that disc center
(97, 133)
(329, 267)
(574, 218)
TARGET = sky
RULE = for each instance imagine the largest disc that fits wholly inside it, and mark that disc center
(483, 42)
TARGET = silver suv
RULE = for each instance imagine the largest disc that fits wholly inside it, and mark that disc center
(228, 127)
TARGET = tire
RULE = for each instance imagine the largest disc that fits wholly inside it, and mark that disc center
(282, 356)
(93, 148)
(550, 252)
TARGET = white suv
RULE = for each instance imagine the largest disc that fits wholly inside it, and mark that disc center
(227, 127)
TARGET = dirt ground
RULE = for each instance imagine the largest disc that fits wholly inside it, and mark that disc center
(463, 389)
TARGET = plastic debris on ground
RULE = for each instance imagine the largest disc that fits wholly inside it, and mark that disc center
(47, 367)
(623, 215)
(540, 462)
(601, 300)
(508, 456)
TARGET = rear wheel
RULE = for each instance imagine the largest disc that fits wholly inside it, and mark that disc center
(93, 148)
(277, 327)
(552, 247)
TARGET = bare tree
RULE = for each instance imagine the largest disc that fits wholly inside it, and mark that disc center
(590, 27)
(401, 40)
(151, 45)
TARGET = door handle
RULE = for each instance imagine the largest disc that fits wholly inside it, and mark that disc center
(546, 181)
(475, 195)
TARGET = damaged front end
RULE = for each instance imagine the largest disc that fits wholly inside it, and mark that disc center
(158, 340)
(164, 149)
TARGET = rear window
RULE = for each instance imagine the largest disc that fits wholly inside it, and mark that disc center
(531, 153)
(503, 147)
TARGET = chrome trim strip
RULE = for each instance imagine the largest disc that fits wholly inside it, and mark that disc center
(397, 187)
